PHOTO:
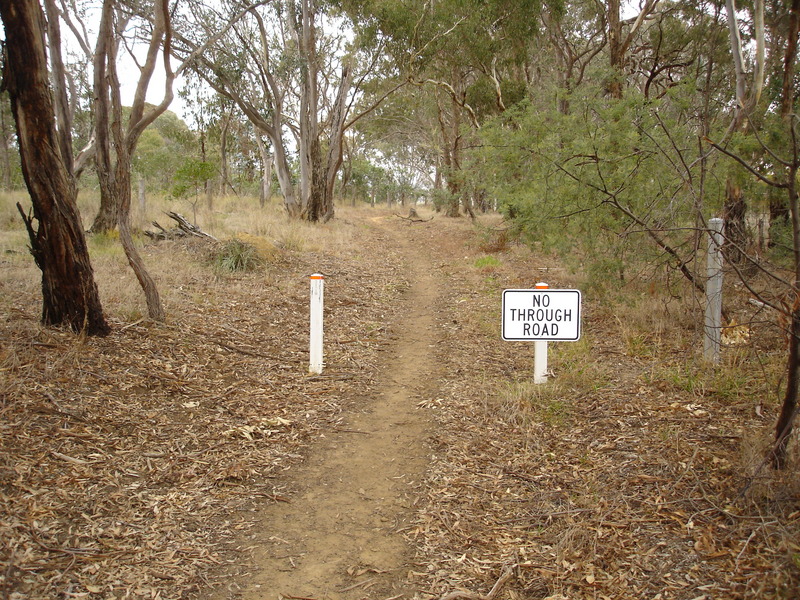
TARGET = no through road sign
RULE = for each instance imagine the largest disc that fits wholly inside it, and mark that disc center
(542, 315)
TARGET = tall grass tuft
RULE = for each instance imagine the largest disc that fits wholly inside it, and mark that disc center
(236, 256)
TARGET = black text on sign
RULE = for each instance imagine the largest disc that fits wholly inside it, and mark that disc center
(547, 315)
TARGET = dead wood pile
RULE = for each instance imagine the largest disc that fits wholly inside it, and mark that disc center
(182, 229)
(413, 216)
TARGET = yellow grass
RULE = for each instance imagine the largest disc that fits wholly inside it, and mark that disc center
(269, 229)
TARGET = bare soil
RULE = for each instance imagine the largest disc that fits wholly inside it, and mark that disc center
(340, 533)
(198, 459)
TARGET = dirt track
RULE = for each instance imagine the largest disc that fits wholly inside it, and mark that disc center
(340, 535)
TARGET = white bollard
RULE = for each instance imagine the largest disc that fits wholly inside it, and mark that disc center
(317, 303)
(540, 351)
(713, 322)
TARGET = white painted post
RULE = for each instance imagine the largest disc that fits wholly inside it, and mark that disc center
(540, 351)
(713, 322)
(315, 344)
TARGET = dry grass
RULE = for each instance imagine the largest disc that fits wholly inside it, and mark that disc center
(269, 229)
(620, 478)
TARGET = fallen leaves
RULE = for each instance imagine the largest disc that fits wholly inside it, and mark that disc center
(127, 464)
(628, 491)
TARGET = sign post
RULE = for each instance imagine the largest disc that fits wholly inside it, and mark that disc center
(315, 338)
(540, 351)
(541, 315)
(713, 321)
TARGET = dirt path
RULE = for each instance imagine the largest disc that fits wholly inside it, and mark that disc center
(340, 536)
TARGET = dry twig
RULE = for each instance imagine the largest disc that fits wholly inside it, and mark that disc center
(508, 573)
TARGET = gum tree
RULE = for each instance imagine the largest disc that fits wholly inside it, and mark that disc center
(116, 140)
(58, 245)
(469, 56)
(294, 80)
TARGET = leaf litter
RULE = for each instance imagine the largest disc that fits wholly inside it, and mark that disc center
(619, 484)
(128, 464)
(131, 465)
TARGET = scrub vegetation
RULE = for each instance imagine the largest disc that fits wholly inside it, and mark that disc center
(156, 413)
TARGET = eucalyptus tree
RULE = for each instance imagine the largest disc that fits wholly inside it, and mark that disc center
(577, 36)
(405, 131)
(161, 149)
(293, 71)
(70, 295)
(621, 34)
(576, 164)
(790, 167)
(773, 161)
(117, 140)
(117, 131)
(449, 48)
(224, 137)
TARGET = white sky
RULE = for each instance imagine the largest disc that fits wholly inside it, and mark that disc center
(129, 77)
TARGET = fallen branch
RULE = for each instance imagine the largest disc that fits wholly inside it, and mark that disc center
(508, 573)
(413, 217)
(190, 228)
(183, 228)
(244, 351)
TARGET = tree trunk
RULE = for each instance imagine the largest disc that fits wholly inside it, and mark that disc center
(115, 177)
(438, 181)
(58, 82)
(223, 151)
(778, 217)
(107, 215)
(284, 174)
(450, 157)
(618, 46)
(154, 308)
(207, 191)
(453, 204)
(468, 208)
(265, 188)
(69, 292)
(790, 55)
(142, 202)
(106, 218)
(310, 152)
(335, 156)
(783, 428)
(315, 208)
(616, 50)
(734, 211)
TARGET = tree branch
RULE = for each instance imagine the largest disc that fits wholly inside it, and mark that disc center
(746, 165)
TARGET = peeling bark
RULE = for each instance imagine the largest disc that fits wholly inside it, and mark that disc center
(58, 245)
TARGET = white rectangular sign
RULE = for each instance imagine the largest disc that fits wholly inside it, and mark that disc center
(542, 315)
